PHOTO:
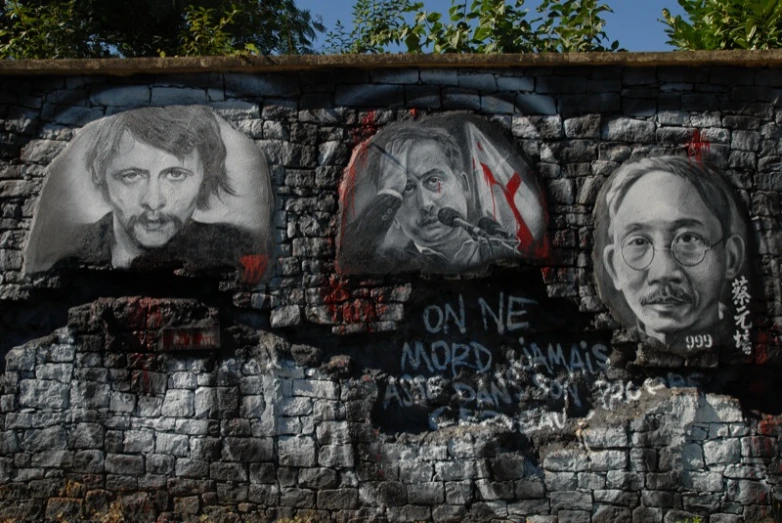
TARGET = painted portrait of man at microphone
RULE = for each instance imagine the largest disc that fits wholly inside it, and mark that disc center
(443, 195)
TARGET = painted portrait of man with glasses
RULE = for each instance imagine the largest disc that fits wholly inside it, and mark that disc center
(670, 242)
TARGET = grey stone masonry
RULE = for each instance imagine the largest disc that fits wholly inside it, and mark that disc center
(340, 398)
(706, 458)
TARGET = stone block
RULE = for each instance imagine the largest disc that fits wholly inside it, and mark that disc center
(248, 450)
(86, 436)
(160, 464)
(565, 460)
(725, 518)
(318, 478)
(422, 96)
(89, 394)
(606, 460)
(333, 432)
(448, 514)
(616, 497)
(533, 103)
(66, 509)
(316, 389)
(725, 451)
(44, 394)
(439, 76)
(183, 380)
(61, 372)
(177, 96)
(370, 95)
(124, 464)
(191, 468)
(264, 495)
(515, 83)
(570, 500)
(89, 461)
(296, 451)
(295, 497)
(590, 481)
(228, 471)
(39, 440)
(286, 316)
(455, 470)
(53, 459)
(623, 129)
(121, 402)
(149, 407)
(187, 505)
(173, 444)
(122, 96)
(431, 493)
(610, 514)
(196, 427)
(408, 513)
(587, 126)
(20, 359)
(340, 456)
(216, 402)
(263, 473)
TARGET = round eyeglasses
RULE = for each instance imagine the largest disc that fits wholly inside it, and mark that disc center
(688, 248)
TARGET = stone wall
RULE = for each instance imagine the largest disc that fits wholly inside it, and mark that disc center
(510, 393)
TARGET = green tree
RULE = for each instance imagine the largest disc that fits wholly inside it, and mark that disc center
(95, 28)
(725, 24)
(45, 31)
(480, 26)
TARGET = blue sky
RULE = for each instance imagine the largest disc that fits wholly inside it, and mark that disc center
(634, 22)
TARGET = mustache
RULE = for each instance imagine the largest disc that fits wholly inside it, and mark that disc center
(427, 217)
(667, 294)
(161, 219)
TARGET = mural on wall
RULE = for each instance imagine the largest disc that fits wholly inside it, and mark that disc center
(150, 187)
(443, 194)
(495, 349)
(671, 254)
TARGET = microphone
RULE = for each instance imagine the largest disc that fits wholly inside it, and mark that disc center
(452, 218)
(492, 228)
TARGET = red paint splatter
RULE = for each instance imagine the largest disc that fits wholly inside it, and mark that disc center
(343, 310)
(334, 295)
(369, 120)
(367, 127)
(154, 318)
(254, 268)
(769, 426)
(336, 290)
(347, 190)
(359, 311)
(523, 233)
(697, 146)
(763, 340)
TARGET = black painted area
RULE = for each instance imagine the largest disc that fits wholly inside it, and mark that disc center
(47, 309)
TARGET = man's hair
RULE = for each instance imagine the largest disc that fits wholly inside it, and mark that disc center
(710, 186)
(384, 151)
(178, 130)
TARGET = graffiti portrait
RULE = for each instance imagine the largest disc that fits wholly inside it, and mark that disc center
(670, 247)
(150, 187)
(445, 194)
